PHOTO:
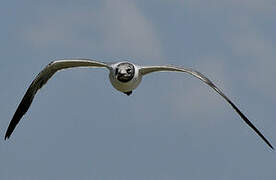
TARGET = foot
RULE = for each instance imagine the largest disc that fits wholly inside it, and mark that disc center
(128, 93)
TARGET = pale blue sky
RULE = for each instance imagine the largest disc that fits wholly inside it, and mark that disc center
(173, 126)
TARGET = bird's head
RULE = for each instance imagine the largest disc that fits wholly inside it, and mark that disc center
(124, 72)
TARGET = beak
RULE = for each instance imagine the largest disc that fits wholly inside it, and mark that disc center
(122, 72)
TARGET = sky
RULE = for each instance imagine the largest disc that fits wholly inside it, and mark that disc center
(173, 126)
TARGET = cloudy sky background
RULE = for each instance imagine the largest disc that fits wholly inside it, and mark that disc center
(173, 126)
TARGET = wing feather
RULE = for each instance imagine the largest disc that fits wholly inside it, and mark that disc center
(41, 79)
(149, 69)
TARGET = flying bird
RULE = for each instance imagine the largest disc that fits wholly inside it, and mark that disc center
(124, 76)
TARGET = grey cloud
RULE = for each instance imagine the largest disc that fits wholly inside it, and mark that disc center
(265, 6)
(117, 28)
(249, 43)
(127, 30)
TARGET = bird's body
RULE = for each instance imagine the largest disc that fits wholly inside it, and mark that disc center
(129, 83)
(124, 76)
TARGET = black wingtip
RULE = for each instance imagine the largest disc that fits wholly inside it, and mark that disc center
(6, 137)
(250, 124)
(270, 146)
(9, 130)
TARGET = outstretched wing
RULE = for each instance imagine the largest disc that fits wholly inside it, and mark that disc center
(149, 69)
(42, 79)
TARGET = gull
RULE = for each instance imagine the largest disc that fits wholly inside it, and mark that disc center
(124, 76)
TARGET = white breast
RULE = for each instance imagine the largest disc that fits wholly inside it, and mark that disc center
(125, 86)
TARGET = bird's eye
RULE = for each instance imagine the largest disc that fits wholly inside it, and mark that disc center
(129, 70)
